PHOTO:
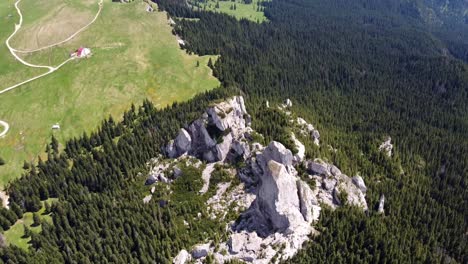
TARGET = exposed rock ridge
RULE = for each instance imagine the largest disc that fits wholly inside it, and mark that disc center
(387, 147)
(218, 135)
(308, 129)
(281, 206)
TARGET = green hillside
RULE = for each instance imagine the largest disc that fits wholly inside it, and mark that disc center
(135, 56)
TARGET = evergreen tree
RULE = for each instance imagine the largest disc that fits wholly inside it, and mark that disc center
(36, 219)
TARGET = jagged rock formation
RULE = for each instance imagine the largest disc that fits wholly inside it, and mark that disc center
(200, 251)
(308, 129)
(168, 170)
(331, 184)
(278, 203)
(281, 207)
(299, 157)
(157, 173)
(222, 128)
(387, 147)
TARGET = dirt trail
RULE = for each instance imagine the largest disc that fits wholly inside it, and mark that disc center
(50, 69)
(6, 128)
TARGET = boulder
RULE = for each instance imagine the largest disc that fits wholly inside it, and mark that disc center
(183, 142)
(176, 172)
(306, 200)
(288, 103)
(328, 183)
(200, 251)
(299, 157)
(302, 122)
(319, 168)
(147, 199)
(241, 149)
(316, 134)
(163, 178)
(182, 258)
(381, 209)
(156, 173)
(170, 150)
(334, 170)
(152, 178)
(359, 182)
(236, 242)
(228, 119)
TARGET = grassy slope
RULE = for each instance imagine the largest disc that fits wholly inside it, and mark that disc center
(242, 10)
(135, 57)
(14, 235)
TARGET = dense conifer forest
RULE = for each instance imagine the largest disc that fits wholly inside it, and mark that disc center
(360, 70)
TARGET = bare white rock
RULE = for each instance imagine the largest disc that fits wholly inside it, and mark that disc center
(182, 258)
(147, 199)
(183, 142)
(381, 209)
(359, 182)
(307, 201)
(228, 120)
(308, 129)
(201, 250)
(299, 157)
(206, 175)
(387, 147)
(277, 197)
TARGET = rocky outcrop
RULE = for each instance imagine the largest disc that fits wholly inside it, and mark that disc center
(332, 184)
(280, 206)
(282, 212)
(200, 251)
(182, 258)
(307, 202)
(157, 173)
(206, 175)
(221, 133)
(300, 155)
(387, 147)
(319, 167)
(283, 209)
(381, 209)
(147, 199)
(277, 198)
(308, 129)
(359, 182)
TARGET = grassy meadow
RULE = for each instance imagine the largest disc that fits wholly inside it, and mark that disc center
(248, 11)
(15, 235)
(135, 56)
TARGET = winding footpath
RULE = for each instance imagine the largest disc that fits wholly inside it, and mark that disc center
(50, 69)
(6, 127)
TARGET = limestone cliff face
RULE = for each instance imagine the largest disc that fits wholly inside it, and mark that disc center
(283, 199)
(221, 129)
